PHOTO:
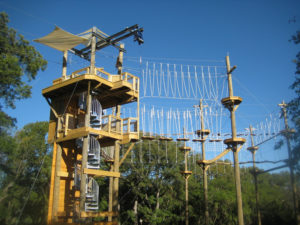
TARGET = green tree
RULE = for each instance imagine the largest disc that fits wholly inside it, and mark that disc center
(26, 160)
(294, 105)
(152, 190)
(17, 59)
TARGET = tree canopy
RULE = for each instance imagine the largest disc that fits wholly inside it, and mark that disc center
(18, 60)
(24, 155)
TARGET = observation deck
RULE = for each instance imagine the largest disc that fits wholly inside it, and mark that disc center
(111, 89)
(67, 118)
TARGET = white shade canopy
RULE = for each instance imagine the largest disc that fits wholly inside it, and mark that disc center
(61, 40)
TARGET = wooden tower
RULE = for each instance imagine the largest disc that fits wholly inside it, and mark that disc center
(79, 130)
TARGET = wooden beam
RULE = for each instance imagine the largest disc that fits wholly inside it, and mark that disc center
(51, 107)
(218, 156)
(64, 174)
(102, 173)
(106, 223)
(98, 214)
(126, 153)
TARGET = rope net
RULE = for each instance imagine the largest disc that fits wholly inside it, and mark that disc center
(182, 81)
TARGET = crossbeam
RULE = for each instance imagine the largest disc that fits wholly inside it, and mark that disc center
(111, 40)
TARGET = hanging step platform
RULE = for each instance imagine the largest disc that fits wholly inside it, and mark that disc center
(234, 141)
(182, 139)
(169, 139)
(202, 132)
(185, 148)
(165, 139)
(199, 140)
(215, 140)
(162, 138)
(150, 138)
(230, 102)
(186, 173)
(202, 162)
(252, 148)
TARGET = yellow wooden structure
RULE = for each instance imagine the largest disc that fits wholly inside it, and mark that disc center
(64, 129)
(73, 99)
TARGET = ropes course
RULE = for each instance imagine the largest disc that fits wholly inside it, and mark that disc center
(170, 120)
(183, 81)
(178, 80)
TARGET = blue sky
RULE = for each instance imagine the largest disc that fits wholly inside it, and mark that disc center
(254, 33)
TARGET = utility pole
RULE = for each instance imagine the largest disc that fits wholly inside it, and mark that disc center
(232, 103)
(291, 165)
(253, 150)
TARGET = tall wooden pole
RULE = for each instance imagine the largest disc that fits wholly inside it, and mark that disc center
(85, 145)
(186, 175)
(204, 169)
(186, 201)
(112, 201)
(110, 190)
(93, 52)
(119, 63)
(64, 68)
(115, 198)
(85, 150)
(291, 166)
(56, 188)
(253, 150)
(186, 183)
(234, 148)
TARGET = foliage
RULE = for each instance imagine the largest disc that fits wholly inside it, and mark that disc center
(17, 58)
(153, 190)
(24, 156)
(294, 105)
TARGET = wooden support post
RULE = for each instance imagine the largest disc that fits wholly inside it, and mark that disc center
(234, 149)
(204, 169)
(115, 199)
(291, 166)
(64, 68)
(253, 150)
(119, 63)
(85, 150)
(186, 200)
(186, 177)
(113, 202)
(138, 110)
(56, 188)
(110, 193)
(93, 52)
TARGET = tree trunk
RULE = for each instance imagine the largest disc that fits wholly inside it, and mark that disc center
(135, 210)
